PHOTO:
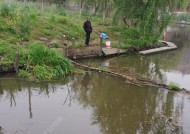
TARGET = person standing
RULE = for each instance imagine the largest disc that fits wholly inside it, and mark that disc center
(88, 29)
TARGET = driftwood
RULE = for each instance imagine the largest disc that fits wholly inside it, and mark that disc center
(132, 80)
(170, 121)
(173, 124)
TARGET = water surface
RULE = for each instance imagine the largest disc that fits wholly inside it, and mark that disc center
(89, 103)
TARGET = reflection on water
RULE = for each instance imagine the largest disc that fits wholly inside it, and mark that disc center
(173, 66)
(89, 103)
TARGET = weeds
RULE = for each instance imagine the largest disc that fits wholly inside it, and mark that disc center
(44, 63)
(174, 86)
(5, 10)
(8, 52)
(24, 74)
(133, 37)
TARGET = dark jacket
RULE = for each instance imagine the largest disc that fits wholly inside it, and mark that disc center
(87, 26)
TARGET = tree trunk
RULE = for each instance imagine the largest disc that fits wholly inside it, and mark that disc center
(170, 5)
(81, 7)
(97, 6)
(42, 6)
(105, 7)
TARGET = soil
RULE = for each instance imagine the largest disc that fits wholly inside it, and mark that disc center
(7, 69)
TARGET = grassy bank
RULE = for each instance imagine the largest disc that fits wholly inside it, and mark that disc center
(32, 33)
(23, 31)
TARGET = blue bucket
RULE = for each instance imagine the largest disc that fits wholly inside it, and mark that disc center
(103, 35)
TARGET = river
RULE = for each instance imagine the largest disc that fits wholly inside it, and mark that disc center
(97, 103)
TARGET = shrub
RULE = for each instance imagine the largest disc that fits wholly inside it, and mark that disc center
(8, 51)
(24, 74)
(43, 72)
(131, 36)
(174, 86)
(25, 25)
(5, 10)
(45, 63)
(61, 11)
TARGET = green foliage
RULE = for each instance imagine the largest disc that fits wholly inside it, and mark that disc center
(5, 10)
(25, 24)
(184, 4)
(24, 74)
(149, 17)
(8, 52)
(132, 36)
(44, 63)
(174, 86)
(43, 72)
(182, 17)
(61, 11)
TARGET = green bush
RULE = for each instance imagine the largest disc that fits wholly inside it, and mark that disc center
(61, 11)
(43, 72)
(131, 36)
(24, 74)
(174, 86)
(45, 63)
(7, 49)
(25, 25)
(8, 52)
(5, 10)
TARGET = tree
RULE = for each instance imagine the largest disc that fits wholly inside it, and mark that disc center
(102, 6)
(149, 16)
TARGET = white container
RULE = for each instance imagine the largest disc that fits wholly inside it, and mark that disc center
(108, 44)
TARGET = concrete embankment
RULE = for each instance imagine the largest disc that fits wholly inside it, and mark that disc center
(170, 46)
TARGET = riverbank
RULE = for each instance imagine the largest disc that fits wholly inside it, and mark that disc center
(93, 51)
(25, 27)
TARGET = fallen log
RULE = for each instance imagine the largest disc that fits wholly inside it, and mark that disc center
(106, 71)
(132, 80)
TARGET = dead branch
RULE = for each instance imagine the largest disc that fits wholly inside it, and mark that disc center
(132, 80)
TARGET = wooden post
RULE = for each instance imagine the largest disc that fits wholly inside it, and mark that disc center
(16, 63)
(101, 45)
(66, 50)
(119, 44)
(65, 47)
(74, 49)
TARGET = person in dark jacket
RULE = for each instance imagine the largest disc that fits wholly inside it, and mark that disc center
(88, 29)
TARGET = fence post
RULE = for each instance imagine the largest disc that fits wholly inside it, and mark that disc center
(101, 45)
(119, 44)
(74, 49)
(66, 50)
(16, 63)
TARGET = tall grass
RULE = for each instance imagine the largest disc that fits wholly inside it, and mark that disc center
(44, 63)
(8, 52)
(133, 37)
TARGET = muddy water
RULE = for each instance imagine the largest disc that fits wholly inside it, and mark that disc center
(89, 103)
(96, 103)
